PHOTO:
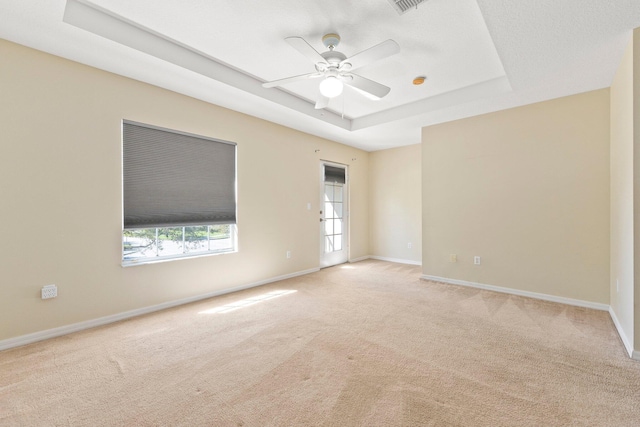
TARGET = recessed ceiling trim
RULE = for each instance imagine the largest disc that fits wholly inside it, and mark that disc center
(493, 87)
(92, 18)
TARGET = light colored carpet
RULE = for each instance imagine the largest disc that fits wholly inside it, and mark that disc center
(365, 344)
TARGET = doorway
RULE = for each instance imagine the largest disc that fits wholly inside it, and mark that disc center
(334, 214)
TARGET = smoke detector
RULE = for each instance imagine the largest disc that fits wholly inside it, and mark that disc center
(403, 6)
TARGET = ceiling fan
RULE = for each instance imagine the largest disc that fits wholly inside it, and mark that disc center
(336, 69)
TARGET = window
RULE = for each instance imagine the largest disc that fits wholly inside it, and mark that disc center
(179, 194)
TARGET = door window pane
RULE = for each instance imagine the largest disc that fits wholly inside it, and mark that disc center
(328, 210)
(337, 193)
(337, 243)
(337, 226)
(328, 244)
(328, 227)
(328, 192)
(337, 210)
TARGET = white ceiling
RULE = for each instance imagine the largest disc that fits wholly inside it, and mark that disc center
(478, 56)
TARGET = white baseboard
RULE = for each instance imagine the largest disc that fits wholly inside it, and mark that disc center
(536, 295)
(75, 327)
(635, 355)
(362, 258)
(396, 260)
(623, 336)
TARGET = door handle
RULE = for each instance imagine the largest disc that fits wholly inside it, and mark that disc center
(321, 219)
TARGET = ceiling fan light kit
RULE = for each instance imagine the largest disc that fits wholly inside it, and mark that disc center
(336, 68)
(331, 87)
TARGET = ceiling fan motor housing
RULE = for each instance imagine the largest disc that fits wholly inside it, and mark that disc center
(333, 57)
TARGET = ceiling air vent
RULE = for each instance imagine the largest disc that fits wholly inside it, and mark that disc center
(403, 6)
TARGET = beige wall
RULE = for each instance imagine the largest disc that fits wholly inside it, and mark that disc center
(622, 188)
(395, 194)
(527, 189)
(61, 194)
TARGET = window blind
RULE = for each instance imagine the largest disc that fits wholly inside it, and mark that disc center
(334, 174)
(173, 179)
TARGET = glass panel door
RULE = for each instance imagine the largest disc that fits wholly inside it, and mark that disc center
(333, 223)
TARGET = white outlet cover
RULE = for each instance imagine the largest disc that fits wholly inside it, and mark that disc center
(49, 291)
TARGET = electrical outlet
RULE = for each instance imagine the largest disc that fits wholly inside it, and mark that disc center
(453, 258)
(49, 291)
(617, 285)
(409, 245)
(476, 260)
(288, 254)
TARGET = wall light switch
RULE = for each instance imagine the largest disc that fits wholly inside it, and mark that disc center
(476, 260)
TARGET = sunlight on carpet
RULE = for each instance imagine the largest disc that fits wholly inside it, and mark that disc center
(227, 308)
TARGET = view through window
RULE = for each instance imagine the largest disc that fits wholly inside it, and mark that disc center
(170, 242)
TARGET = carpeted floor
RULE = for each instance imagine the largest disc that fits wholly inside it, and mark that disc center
(364, 344)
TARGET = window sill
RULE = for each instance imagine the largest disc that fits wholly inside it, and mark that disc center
(157, 260)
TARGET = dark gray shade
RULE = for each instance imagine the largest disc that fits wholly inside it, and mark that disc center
(334, 174)
(173, 179)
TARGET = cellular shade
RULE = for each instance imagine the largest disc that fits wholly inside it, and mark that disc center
(334, 174)
(173, 179)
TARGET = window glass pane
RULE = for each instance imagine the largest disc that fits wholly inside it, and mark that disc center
(139, 243)
(220, 237)
(337, 193)
(170, 241)
(195, 239)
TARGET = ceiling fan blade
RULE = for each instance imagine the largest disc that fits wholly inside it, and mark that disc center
(322, 102)
(370, 87)
(375, 53)
(292, 79)
(305, 48)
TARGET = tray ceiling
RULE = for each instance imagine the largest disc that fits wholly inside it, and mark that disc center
(478, 56)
